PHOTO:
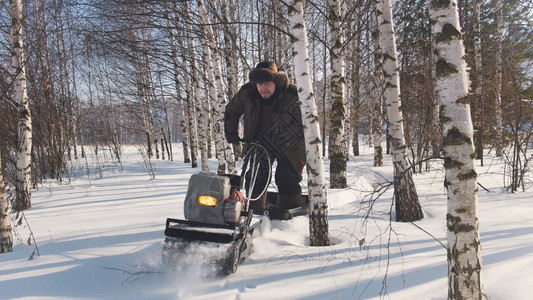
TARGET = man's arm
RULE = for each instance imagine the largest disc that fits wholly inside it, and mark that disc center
(234, 110)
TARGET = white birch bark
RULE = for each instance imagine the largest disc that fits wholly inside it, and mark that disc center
(498, 105)
(6, 235)
(355, 110)
(112, 114)
(230, 48)
(407, 206)
(210, 99)
(337, 153)
(169, 127)
(478, 83)
(199, 111)
(208, 57)
(191, 117)
(145, 99)
(24, 132)
(436, 133)
(196, 117)
(316, 182)
(464, 246)
(76, 130)
(377, 96)
(224, 149)
(176, 72)
(140, 62)
(180, 107)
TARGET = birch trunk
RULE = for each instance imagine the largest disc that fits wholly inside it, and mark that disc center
(113, 125)
(180, 106)
(190, 105)
(324, 92)
(337, 153)
(148, 81)
(210, 100)
(24, 133)
(168, 142)
(6, 235)
(208, 57)
(223, 149)
(76, 130)
(318, 214)
(49, 97)
(182, 121)
(377, 100)
(140, 62)
(199, 110)
(356, 95)
(407, 206)
(378, 131)
(230, 49)
(436, 133)
(191, 117)
(478, 83)
(499, 68)
(146, 99)
(464, 246)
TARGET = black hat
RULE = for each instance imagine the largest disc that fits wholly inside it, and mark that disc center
(265, 71)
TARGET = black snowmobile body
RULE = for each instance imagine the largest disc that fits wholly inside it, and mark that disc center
(218, 221)
(232, 243)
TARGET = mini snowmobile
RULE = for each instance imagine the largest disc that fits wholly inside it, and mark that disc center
(218, 220)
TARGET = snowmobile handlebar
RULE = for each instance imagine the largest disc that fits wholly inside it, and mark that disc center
(253, 151)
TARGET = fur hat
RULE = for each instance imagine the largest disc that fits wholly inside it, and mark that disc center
(267, 71)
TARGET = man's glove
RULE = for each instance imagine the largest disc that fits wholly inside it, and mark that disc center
(233, 138)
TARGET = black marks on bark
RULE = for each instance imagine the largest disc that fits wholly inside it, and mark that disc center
(448, 34)
(445, 68)
(455, 137)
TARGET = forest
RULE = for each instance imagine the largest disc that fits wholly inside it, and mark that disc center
(92, 76)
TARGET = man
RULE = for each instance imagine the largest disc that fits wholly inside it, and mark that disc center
(271, 111)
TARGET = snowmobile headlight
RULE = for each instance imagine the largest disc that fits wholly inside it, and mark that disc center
(207, 200)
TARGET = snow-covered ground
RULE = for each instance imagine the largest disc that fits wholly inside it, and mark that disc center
(100, 236)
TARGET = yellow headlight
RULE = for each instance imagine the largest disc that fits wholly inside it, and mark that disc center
(207, 200)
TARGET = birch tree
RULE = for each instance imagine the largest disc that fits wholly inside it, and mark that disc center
(406, 198)
(499, 70)
(478, 83)
(436, 136)
(353, 32)
(337, 153)
(377, 97)
(464, 246)
(223, 149)
(24, 133)
(210, 94)
(6, 235)
(177, 82)
(230, 47)
(318, 214)
(355, 110)
(199, 111)
(191, 115)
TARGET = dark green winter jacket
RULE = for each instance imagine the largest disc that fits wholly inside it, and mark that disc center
(283, 135)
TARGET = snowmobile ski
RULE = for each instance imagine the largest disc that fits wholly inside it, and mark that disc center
(232, 243)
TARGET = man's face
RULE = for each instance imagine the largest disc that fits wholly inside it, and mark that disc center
(266, 89)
